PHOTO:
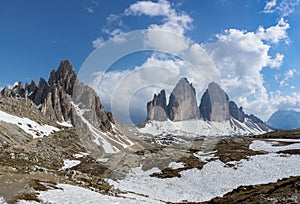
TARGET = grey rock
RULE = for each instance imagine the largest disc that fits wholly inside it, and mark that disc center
(88, 100)
(31, 89)
(235, 112)
(182, 102)
(157, 108)
(42, 92)
(214, 104)
(65, 76)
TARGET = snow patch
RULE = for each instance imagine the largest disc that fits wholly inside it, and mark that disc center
(2, 201)
(269, 146)
(214, 179)
(29, 126)
(65, 123)
(198, 128)
(69, 164)
(103, 160)
(80, 155)
(176, 165)
(74, 194)
(205, 156)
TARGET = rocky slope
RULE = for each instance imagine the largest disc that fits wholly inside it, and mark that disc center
(64, 99)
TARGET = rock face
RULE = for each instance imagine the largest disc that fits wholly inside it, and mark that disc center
(183, 103)
(214, 104)
(54, 98)
(235, 112)
(157, 108)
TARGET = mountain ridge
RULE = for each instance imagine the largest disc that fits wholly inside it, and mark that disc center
(215, 106)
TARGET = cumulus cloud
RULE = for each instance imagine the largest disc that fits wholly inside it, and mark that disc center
(173, 21)
(158, 72)
(240, 56)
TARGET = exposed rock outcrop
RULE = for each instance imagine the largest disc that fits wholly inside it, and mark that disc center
(157, 108)
(214, 104)
(235, 112)
(54, 98)
(183, 103)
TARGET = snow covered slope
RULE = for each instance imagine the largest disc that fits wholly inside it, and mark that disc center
(215, 178)
(198, 128)
(29, 126)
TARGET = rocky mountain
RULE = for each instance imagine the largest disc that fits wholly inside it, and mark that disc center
(215, 106)
(284, 120)
(157, 108)
(64, 99)
(182, 102)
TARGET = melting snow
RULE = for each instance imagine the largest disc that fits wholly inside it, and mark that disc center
(108, 148)
(80, 155)
(69, 164)
(269, 146)
(213, 180)
(205, 156)
(29, 126)
(74, 194)
(176, 165)
(103, 160)
(65, 123)
(192, 128)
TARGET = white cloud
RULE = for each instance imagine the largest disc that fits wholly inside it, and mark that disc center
(240, 56)
(283, 7)
(98, 42)
(289, 74)
(269, 7)
(161, 8)
(173, 21)
(118, 94)
(275, 33)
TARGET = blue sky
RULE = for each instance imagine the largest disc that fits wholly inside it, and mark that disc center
(253, 43)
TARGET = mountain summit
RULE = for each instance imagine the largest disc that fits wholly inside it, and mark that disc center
(215, 107)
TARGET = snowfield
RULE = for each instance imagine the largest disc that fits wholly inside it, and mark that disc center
(29, 126)
(215, 178)
(197, 128)
(74, 195)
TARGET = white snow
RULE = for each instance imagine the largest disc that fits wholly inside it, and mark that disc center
(2, 201)
(214, 179)
(103, 160)
(80, 155)
(74, 195)
(269, 146)
(99, 136)
(29, 126)
(192, 128)
(65, 123)
(205, 156)
(69, 164)
(176, 165)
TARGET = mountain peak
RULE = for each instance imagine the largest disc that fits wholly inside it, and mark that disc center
(214, 104)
